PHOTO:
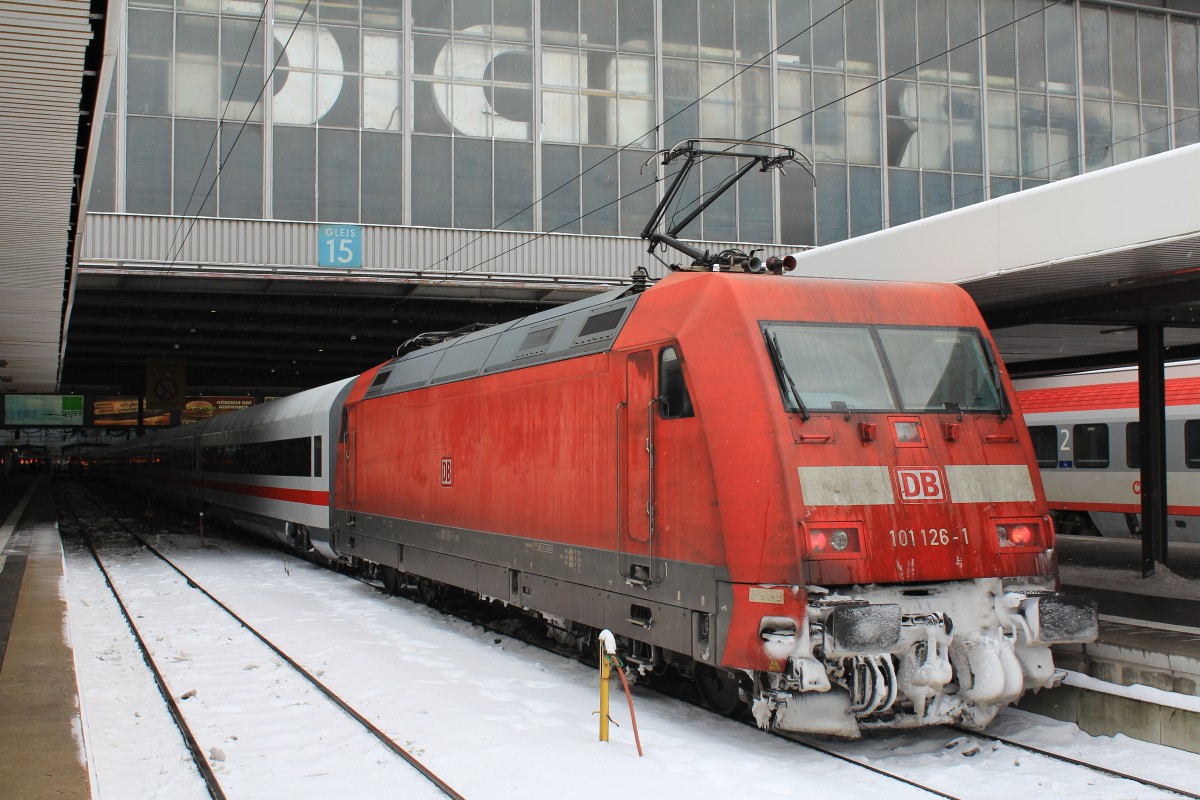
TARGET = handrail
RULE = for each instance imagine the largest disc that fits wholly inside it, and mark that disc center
(654, 401)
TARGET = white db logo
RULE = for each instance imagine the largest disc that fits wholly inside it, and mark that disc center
(447, 472)
(920, 485)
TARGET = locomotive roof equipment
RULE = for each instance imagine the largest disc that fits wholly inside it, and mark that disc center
(693, 154)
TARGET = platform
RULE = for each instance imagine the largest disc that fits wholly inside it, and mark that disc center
(1142, 678)
(41, 752)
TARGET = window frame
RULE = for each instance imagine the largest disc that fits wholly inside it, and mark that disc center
(684, 398)
(1076, 438)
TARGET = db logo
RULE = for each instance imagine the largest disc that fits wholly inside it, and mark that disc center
(920, 485)
(447, 472)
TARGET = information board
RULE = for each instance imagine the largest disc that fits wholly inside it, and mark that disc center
(43, 409)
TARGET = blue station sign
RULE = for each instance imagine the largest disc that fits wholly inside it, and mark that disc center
(340, 246)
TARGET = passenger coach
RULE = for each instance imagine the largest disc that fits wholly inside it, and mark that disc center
(1086, 433)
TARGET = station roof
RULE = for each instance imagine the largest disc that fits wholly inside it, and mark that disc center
(46, 97)
(1062, 273)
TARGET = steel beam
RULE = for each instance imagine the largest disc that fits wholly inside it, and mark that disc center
(1152, 412)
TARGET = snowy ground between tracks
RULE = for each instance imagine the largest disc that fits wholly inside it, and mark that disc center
(499, 719)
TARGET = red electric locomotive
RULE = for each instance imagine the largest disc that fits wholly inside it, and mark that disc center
(814, 494)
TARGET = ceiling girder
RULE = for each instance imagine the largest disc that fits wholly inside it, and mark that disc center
(1068, 364)
(1160, 300)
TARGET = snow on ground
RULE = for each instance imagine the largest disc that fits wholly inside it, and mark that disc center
(1099, 562)
(496, 718)
(1163, 583)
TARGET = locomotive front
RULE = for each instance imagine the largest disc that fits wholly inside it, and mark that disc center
(925, 587)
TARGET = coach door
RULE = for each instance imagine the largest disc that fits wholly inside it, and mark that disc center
(635, 492)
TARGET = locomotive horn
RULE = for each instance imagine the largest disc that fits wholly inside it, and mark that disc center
(779, 265)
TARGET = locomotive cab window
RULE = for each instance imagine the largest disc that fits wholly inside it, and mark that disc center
(1091, 446)
(882, 368)
(940, 370)
(1045, 445)
(674, 400)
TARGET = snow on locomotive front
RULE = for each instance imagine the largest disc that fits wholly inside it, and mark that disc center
(891, 560)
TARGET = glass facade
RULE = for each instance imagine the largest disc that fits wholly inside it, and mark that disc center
(462, 113)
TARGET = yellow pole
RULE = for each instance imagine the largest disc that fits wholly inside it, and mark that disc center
(608, 647)
(604, 676)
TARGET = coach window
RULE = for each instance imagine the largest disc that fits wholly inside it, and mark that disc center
(674, 400)
(1045, 445)
(1191, 443)
(1133, 446)
(1091, 446)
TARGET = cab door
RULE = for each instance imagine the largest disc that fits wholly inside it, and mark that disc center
(348, 455)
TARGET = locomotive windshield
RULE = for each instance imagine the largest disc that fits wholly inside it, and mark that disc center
(881, 368)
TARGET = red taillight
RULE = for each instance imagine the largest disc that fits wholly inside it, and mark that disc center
(832, 540)
(1025, 534)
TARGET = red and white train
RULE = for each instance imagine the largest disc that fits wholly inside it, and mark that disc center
(1085, 436)
(815, 496)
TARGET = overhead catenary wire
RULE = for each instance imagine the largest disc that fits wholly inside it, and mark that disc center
(241, 128)
(172, 259)
(921, 63)
(659, 126)
(1042, 9)
(1000, 179)
(653, 129)
(217, 133)
(579, 175)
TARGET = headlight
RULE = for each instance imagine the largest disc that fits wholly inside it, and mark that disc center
(1019, 534)
(833, 540)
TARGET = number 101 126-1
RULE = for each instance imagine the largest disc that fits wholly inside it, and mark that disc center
(927, 537)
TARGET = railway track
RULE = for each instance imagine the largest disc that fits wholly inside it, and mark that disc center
(919, 777)
(1173, 790)
(1104, 781)
(289, 697)
(967, 741)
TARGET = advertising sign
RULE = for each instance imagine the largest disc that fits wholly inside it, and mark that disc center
(123, 412)
(43, 409)
(198, 409)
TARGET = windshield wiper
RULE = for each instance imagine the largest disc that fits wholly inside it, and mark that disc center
(994, 365)
(782, 370)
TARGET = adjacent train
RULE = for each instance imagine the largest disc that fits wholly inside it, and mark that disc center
(1085, 435)
(817, 497)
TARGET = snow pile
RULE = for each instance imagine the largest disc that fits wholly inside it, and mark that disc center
(1145, 694)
